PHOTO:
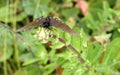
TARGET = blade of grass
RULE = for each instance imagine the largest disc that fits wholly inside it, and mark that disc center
(4, 49)
(5, 42)
(15, 40)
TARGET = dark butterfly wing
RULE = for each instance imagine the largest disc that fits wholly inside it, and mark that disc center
(32, 24)
(58, 24)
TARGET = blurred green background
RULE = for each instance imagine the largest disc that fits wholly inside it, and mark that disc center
(97, 21)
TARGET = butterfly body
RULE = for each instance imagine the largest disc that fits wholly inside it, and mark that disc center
(46, 23)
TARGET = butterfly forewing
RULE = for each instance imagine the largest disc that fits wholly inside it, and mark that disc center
(32, 24)
(58, 24)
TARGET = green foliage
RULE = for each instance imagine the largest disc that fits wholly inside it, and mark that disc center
(98, 44)
(70, 12)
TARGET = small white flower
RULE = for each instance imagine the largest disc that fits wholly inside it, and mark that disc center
(43, 34)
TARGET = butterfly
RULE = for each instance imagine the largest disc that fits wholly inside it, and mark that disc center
(47, 22)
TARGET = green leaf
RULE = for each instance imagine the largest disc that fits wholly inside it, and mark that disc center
(7, 14)
(94, 52)
(30, 61)
(70, 12)
(5, 54)
(6, 42)
(33, 7)
(112, 53)
(3, 3)
(29, 70)
(45, 2)
(48, 69)
(56, 44)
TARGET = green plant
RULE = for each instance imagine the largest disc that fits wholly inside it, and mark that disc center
(95, 52)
